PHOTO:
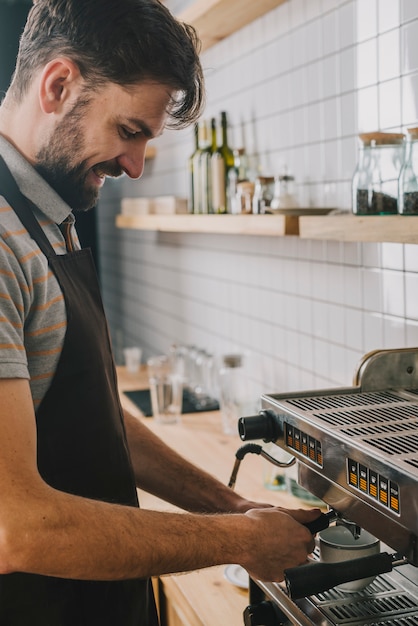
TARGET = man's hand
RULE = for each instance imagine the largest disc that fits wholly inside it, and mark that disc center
(280, 541)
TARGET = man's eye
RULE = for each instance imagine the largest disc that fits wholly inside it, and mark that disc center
(129, 134)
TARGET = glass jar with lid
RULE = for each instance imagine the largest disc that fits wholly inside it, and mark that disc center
(284, 193)
(244, 197)
(237, 395)
(408, 179)
(375, 180)
(263, 193)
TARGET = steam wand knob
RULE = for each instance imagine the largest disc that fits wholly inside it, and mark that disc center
(265, 425)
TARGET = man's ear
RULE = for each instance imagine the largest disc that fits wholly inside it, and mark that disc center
(60, 83)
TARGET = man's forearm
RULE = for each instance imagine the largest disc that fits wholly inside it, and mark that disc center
(164, 473)
(72, 537)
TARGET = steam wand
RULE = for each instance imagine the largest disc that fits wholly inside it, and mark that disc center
(255, 449)
(318, 524)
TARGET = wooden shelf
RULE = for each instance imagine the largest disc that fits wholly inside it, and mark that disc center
(366, 228)
(388, 228)
(266, 225)
(215, 20)
(150, 152)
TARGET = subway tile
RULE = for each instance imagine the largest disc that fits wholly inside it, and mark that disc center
(336, 284)
(331, 82)
(411, 330)
(321, 357)
(347, 59)
(389, 14)
(390, 104)
(348, 160)
(335, 320)
(299, 54)
(314, 78)
(331, 168)
(411, 257)
(373, 331)
(409, 10)
(392, 255)
(331, 117)
(337, 369)
(297, 13)
(367, 103)
(394, 332)
(313, 10)
(389, 58)
(373, 290)
(372, 255)
(347, 25)
(353, 291)
(353, 326)
(366, 63)
(409, 86)
(366, 19)
(393, 293)
(329, 33)
(409, 59)
(411, 296)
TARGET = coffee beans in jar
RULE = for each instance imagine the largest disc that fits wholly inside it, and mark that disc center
(375, 180)
(408, 183)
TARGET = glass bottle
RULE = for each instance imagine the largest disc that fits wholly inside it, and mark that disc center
(241, 164)
(193, 173)
(263, 193)
(237, 175)
(244, 196)
(375, 180)
(408, 183)
(222, 162)
(201, 165)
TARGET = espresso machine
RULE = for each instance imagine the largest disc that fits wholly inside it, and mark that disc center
(356, 449)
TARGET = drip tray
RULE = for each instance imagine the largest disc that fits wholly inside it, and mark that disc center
(390, 600)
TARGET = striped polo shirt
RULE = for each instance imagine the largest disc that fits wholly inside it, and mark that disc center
(32, 310)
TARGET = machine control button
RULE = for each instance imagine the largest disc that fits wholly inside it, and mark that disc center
(383, 490)
(374, 485)
(394, 497)
(303, 443)
(363, 478)
(352, 473)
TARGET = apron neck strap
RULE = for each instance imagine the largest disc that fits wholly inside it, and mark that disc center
(21, 206)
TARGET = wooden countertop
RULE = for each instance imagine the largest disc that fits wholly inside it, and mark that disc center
(210, 599)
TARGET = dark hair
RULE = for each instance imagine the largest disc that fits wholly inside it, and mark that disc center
(119, 41)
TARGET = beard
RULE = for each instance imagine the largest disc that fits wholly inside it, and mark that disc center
(55, 162)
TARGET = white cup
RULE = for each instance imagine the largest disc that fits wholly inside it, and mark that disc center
(166, 388)
(132, 359)
(337, 543)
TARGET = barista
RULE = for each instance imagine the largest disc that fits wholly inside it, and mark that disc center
(93, 83)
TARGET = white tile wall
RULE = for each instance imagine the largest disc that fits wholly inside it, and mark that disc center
(298, 85)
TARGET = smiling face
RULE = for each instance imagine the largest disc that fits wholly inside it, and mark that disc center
(104, 135)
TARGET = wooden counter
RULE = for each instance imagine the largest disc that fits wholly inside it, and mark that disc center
(204, 597)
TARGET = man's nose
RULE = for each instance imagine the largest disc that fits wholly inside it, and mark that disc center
(132, 161)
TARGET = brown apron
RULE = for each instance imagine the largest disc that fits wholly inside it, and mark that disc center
(82, 448)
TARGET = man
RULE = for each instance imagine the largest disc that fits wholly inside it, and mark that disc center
(94, 81)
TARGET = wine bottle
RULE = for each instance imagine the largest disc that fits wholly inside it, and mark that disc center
(193, 171)
(202, 166)
(222, 161)
(212, 181)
